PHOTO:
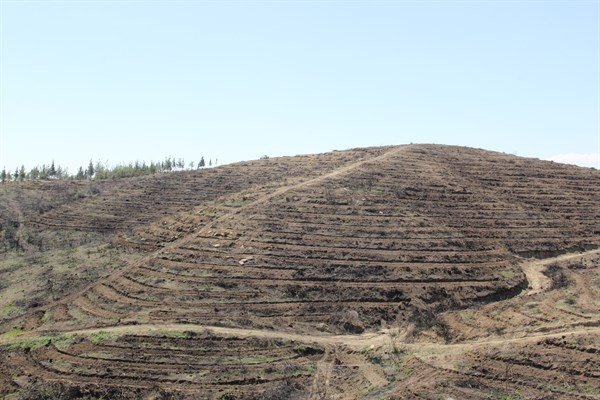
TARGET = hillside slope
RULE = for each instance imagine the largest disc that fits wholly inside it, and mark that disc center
(399, 239)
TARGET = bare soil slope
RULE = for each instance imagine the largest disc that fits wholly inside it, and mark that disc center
(399, 272)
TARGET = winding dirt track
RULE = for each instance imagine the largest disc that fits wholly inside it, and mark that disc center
(532, 269)
(354, 341)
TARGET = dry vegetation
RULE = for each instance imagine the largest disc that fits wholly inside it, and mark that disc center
(399, 272)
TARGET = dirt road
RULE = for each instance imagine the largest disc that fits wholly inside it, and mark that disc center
(534, 271)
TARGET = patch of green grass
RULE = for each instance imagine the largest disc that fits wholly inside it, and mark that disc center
(13, 333)
(567, 303)
(177, 334)
(591, 390)
(8, 310)
(508, 273)
(100, 337)
(14, 262)
(47, 316)
(372, 389)
(393, 362)
(576, 389)
(63, 341)
(31, 343)
(467, 315)
(299, 371)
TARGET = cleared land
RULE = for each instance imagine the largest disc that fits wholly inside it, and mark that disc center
(396, 272)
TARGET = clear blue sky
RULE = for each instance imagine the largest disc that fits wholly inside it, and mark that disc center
(127, 80)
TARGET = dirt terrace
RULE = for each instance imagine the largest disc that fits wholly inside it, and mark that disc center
(125, 203)
(554, 362)
(425, 244)
(373, 244)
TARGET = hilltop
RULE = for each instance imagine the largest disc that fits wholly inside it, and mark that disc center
(413, 271)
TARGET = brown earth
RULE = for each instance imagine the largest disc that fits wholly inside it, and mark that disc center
(397, 272)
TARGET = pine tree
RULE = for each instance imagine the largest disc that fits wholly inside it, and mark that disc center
(3, 175)
(80, 174)
(210, 162)
(34, 173)
(22, 173)
(16, 175)
(100, 172)
(52, 171)
(90, 170)
(201, 164)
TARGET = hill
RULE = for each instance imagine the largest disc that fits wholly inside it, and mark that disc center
(413, 271)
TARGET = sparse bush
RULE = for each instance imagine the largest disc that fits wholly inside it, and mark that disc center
(8, 232)
(557, 275)
(424, 320)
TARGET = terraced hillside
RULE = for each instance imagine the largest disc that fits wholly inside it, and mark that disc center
(398, 272)
(49, 227)
(213, 364)
(133, 202)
